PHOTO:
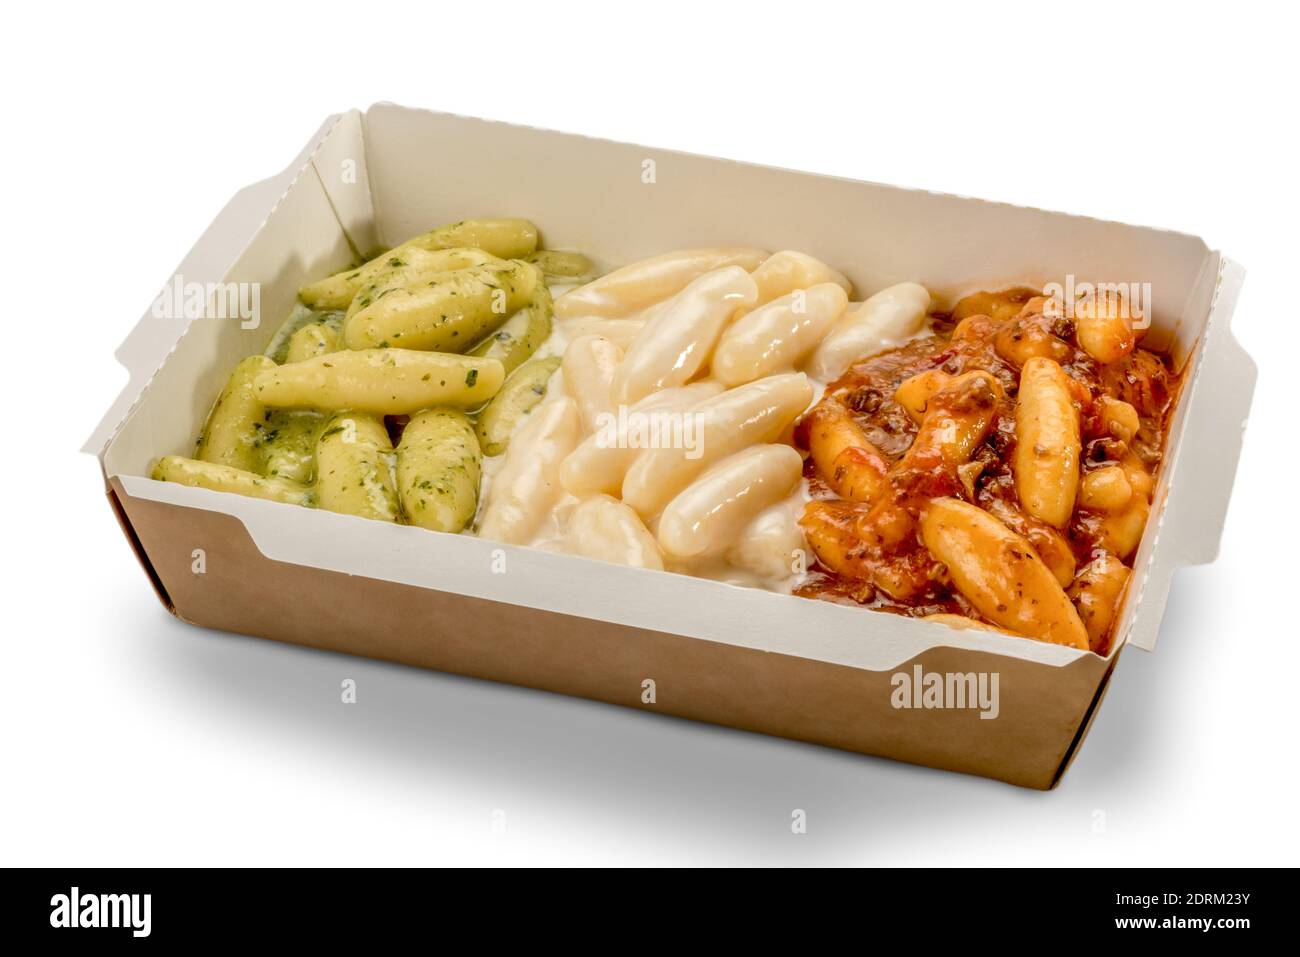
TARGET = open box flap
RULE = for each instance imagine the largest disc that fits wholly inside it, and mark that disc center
(1198, 477)
(147, 346)
(341, 165)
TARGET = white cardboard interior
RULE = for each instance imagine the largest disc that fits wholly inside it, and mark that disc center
(374, 178)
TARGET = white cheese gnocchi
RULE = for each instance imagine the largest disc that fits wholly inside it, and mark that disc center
(677, 342)
(886, 320)
(528, 485)
(751, 414)
(589, 366)
(772, 546)
(626, 291)
(776, 337)
(708, 515)
(789, 270)
(603, 527)
(600, 463)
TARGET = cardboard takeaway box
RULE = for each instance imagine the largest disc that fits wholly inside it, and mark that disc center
(750, 659)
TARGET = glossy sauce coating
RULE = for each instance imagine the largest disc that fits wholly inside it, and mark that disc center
(951, 435)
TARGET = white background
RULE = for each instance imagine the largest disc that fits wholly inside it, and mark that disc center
(128, 738)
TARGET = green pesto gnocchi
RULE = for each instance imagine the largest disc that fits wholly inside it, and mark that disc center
(445, 312)
(408, 267)
(354, 471)
(503, 238)
(519, 395)
(473, 239)
(232, 431)
(301, 316)
(312, 340)
(226, 478)
(573, 267)
(288, 444)
(439, 465)
(521, 335)
(417, 342)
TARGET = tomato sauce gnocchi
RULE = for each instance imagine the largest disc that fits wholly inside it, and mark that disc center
(997, 474)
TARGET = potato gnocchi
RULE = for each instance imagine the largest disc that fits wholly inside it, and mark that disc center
(361, 404)
(724, 412)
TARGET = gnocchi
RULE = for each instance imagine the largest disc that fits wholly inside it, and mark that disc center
(776, 337)
(756, 413)
(716, 411)
(604, 528)
(439, 464)
(410, 267)
(450, 312)
(1000, 573)
(523, 389)
(339, 290)
(772, 545)
(519, 336)
(679, 339)
(227, 478)
(1096, 594)
(1105, 326)
(382, 381)
(790, 271)
(625, 292)
(503, 238)
(621, 332)
(231, 434)
(994, 472)
(887, 319)
(957, 419)
(590, 364)
(355, 474)
(527, 486)
(315, 339)
(601, 462)
(1047, 443)
(569, 266)
(707, 516)
(844, 456)
(288, 445)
